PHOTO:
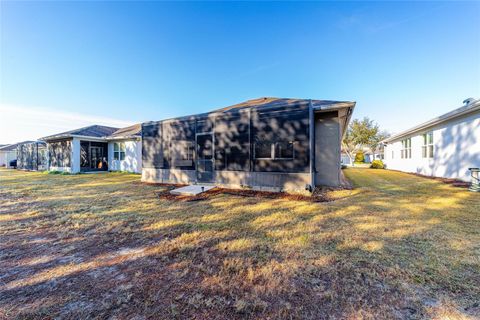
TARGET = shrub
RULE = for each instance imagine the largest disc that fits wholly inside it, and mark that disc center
(377, 164)
(360, 157)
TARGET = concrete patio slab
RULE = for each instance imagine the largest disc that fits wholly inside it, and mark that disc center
(191, 190)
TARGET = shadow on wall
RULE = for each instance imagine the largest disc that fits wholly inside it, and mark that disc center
(130, 163)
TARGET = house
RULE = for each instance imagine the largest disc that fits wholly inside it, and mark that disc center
(32, 156)
(266, 143)
(443, 147)
(376, 155)
(125, 149)
(8, 153)
(95, 148)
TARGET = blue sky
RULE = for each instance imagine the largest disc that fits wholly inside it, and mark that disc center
(68, 64)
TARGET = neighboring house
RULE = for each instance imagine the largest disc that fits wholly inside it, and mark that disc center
(271, 143)
(345, 159)
(32, 156)
(125, 149)
(377, 155)
(9, 153)
(95, 148)
(443, 147)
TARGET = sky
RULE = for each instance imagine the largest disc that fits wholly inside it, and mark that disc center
(65, 65)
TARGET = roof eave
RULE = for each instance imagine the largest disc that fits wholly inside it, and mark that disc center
(350, 105)
(432, 123)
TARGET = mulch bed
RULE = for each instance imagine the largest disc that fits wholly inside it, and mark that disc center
(318, 195)
(453, 182)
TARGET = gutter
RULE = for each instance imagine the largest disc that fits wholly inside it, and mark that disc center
(100, 139)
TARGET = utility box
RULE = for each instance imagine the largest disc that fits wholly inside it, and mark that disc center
(475, 186)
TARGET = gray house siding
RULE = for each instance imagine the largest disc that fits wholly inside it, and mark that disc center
(327, 149)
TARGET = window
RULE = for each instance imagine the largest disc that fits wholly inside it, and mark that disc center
(406, 149)
(427, 148)
(119, 151)
(284, 150)
(182, 152)
(275, 150)
(263, 150)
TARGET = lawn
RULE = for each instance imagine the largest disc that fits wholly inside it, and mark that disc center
(105, 245)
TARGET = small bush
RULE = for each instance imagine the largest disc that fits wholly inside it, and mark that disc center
(377, 164)
(360, 157)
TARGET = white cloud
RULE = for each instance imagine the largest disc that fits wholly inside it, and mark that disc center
(19, 123)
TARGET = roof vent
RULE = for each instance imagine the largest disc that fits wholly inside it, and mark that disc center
(469, 101)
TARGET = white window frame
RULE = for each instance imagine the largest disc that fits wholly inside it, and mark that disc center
(406, 152)
(119, 150)
(273, 147)
(428, 147)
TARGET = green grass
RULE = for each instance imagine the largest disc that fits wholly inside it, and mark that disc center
(104, 245)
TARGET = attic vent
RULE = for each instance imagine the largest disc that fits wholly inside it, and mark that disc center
(469, 101)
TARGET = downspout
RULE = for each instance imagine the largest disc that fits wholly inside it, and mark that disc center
(312, 146)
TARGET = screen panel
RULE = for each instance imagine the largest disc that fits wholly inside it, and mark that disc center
(232, 137)
(281, 135)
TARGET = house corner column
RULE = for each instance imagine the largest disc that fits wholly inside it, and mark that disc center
(312, 144)
(75, 155)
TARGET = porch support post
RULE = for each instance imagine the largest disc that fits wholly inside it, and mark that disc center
(312, 144)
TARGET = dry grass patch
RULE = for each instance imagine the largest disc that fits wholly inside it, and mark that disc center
(105, 245)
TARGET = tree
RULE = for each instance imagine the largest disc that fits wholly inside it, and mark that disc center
(376, 139)
(360, 134)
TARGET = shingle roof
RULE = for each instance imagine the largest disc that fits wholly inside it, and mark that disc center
(128, 132)
(11, 147)
(95, 131)
(272, 101)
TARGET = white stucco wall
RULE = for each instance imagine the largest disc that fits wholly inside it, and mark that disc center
(9, 156)
(456, 148)
(2, 158)
(133, 157)
(6, 157)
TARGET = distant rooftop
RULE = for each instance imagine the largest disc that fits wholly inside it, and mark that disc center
(95, 131)
(11, 147)
(131, 131)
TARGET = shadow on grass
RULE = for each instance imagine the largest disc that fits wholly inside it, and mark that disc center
(402, 247)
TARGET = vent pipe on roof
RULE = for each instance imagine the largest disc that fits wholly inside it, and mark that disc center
(469, 101)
